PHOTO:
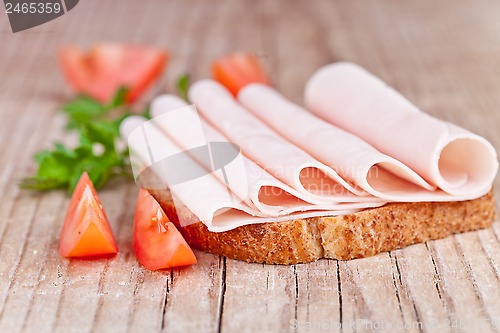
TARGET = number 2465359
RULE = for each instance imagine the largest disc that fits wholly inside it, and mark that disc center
(32, 8)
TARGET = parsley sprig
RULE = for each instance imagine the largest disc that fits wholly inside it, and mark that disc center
(98, 128)
(97, 152)
(183, 83)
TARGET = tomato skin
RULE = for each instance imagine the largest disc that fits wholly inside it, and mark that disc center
(86, 231)
(157, 242)
(106, 67)
(236, 70)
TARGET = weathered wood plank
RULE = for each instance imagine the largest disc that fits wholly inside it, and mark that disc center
(369, 296)
(421, 296)
(37, 249)
(258, 298)
(458, 289)
(320, 301)
(192, 302)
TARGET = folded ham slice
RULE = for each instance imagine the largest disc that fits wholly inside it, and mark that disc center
(460, 163)
(268, 149)
(362, 146)
(151, 146)
(353, 158)
(207, 196)
(266, 193)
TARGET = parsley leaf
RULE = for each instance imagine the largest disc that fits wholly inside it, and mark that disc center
(84, 109)
(183, 83)
(119, 99)
(96, 153)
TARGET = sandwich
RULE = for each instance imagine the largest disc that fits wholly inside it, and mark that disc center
(358, 171)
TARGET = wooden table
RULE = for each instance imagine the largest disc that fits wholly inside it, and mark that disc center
(443, 55)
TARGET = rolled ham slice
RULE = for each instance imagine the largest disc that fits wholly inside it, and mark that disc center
(267, 194)
(205, 196)
(460, 163)
(353, 158)
(363, 146)
(268, 149)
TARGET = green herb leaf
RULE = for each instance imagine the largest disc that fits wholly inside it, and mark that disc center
(183, 83)
(96, 152)
(41, 184)
(82, 110)
(119, 98)
(146, 113)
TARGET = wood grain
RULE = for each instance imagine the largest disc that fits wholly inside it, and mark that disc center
(445, 56)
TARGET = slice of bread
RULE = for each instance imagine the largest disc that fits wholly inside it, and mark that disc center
(358, 235)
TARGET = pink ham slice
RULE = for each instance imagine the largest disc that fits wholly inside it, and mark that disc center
(266, 193)
(205, 196)
(350, 156)
(369, 144)
(265, 147)
(208, 198)
(460, 163)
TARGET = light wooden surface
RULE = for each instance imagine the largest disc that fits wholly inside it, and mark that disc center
(443, 55)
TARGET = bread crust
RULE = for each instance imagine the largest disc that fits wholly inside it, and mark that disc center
(357, 235)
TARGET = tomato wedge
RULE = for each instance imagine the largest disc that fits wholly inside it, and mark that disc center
(157, 242)
(106, 67)
(86, 231)
(236, 70)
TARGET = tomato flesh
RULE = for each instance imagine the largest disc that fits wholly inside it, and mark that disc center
(237, 70)
(86, 231)
(106, 67)
(157, 242)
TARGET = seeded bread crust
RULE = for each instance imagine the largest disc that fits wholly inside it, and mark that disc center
(357, 235)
